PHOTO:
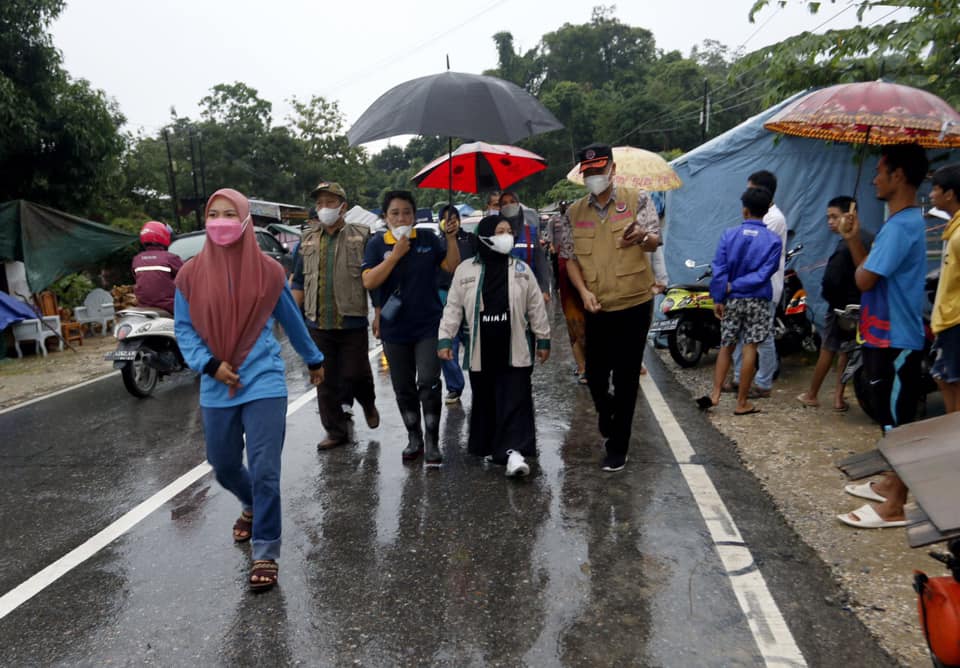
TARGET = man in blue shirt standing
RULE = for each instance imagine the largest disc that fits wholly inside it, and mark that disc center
(746, 258)
(891, 282)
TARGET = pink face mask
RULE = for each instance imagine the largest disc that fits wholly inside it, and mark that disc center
(224, 231)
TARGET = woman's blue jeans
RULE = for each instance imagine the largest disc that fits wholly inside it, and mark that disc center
(264, 422)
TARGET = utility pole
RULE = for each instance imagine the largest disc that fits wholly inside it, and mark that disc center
(705, 112)
(203, 168)
(173, 181)
(193, 171)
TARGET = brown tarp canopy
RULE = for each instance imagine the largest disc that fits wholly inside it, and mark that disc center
(51, 243)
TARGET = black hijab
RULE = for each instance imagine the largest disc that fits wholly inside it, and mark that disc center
(496, 298)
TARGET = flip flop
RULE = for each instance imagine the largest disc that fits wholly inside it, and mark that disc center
(753, 410)
(705, 403)
(869, 519)
(864, 491)
(841, 409)
(809, 403)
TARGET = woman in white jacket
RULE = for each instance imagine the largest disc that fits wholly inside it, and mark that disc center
(498, 297)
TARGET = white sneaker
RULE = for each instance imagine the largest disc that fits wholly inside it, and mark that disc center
(516, 464)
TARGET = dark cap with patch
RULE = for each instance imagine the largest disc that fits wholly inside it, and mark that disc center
(594, 156)
(329, 187)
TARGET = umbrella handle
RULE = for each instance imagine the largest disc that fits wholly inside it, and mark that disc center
(943, 129)
(863, 156)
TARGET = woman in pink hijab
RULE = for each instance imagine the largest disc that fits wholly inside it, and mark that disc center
(227, 298)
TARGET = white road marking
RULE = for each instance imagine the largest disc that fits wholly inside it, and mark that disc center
(58, 392)
(770, 631)
(26, 590)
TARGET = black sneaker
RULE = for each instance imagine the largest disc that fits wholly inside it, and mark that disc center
(452, 398)
(614, 463)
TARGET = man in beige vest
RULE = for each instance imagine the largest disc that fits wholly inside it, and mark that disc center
(326, 283)
(605, 239)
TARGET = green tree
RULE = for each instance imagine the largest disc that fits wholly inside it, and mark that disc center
(919, 45)
(603, 50)
(59, 138)
(327, 155)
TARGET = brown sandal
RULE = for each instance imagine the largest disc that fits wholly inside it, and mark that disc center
(243, 527)
(264, 574)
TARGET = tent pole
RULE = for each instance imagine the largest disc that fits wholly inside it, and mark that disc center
(863, 156)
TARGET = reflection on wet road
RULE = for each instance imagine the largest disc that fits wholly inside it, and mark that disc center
(385, 563)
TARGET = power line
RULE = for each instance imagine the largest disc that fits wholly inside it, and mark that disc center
(400, 56)
(740, 76)
(640, 129)
(888, 14)
(762, 26)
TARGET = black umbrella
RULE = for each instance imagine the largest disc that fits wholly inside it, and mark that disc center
(455, 104)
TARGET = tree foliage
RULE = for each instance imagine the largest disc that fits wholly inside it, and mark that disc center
(919, 45)
(608, 82)
(60, 139)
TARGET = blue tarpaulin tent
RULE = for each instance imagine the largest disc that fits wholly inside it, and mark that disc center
(13, 310)
(809, 174)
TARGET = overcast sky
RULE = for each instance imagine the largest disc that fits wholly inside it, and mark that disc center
(150, 56)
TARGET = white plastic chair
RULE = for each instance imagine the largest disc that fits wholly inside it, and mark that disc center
(33, 330)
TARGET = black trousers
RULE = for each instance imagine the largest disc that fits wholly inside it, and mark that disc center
(346, 376)
(615, 344)
(415, 376)
(501, 413)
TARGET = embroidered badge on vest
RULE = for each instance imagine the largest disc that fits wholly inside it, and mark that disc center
(585, 223)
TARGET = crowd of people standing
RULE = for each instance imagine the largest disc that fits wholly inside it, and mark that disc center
(486, 292)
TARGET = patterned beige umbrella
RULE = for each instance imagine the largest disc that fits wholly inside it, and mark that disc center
(637, 168)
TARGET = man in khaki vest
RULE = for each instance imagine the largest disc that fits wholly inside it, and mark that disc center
(605, 239)
(326, 283)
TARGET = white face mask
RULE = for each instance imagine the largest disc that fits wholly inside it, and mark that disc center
(510, 210)
(401, 231)
(500, 243)
(328, 216)
(597, 183)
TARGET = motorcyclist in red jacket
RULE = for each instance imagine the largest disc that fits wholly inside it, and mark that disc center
(155, 268)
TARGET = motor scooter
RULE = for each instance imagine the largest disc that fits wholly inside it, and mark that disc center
(690, 325)
(938, 605)
(793, 330)
(146, 349)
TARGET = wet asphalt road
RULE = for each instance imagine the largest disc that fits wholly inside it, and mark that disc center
(389, 564)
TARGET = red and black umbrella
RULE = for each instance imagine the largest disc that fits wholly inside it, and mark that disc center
(480, 167)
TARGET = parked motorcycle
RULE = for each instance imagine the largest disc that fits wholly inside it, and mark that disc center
(692, 329)
(938, 605)
(793, 330)
(690, 326)
(146, 349)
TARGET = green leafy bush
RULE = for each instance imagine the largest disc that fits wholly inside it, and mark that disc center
(72, 289)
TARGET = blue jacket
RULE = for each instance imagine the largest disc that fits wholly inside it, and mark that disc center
(747, 256)
(262, 372)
